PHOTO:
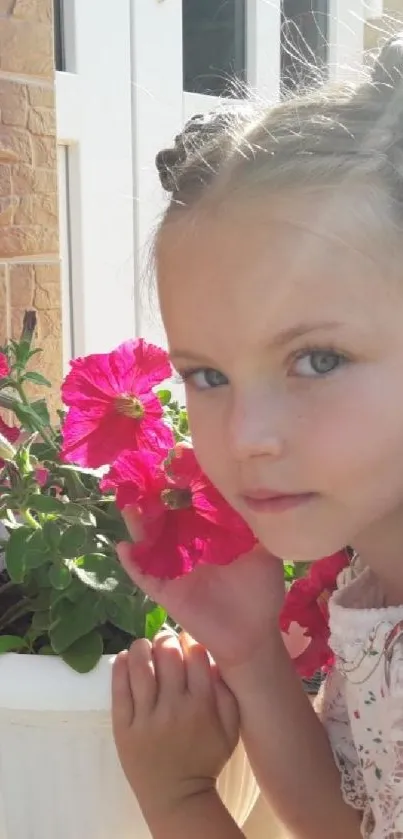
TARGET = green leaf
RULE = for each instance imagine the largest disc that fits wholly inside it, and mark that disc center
(75, 590)
(85, 653)
(41, 602)
(10, 643)
(289, 571)
(76, 513)
(51, 534)
(43, 451)
(154, 621)
(45, 504)
(40, 621)
(164, 396)
(125, 612)
(25, 415)
(102, 573)
(22, 352)
(40, 579)
(72, 621)
(41, 410)
(34, 416)
(301, 569)
(73, 541)
(15, 553)
(38, 379)
(59, 577)
(35, 558)
(34, 352)
(74, 593)
(183, 425)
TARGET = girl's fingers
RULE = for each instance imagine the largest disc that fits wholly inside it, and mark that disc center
(228, 711)
(169, 665)
(142, 677)
(150, 585)
(132, 521)
(122, 699)
(198, 667)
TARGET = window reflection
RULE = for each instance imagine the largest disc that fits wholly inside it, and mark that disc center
(304, 38)
(214, 46)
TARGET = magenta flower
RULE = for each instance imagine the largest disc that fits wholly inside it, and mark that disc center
(10, 432)
(306, 604)
(112, 406)
(185, 520)
(4, 366)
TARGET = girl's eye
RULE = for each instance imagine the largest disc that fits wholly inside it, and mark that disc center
(205, 378)
(318, 363)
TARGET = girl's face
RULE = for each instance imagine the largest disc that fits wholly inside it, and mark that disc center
(289, 336)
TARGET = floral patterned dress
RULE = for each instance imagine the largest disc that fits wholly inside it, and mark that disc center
(362, 701)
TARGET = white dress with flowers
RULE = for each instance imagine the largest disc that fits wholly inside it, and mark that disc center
(362, 702)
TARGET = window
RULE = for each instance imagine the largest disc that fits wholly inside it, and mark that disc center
(304, 39)
(214, 46)
(60, 63)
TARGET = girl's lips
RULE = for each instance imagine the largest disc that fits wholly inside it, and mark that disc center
(271, 503)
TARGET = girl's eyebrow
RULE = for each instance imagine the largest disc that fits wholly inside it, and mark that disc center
(190, 358)
(282, 337)
(298, 331)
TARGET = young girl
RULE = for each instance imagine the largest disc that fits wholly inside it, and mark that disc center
(280, 277)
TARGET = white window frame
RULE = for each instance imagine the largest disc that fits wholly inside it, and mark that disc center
(346, 38)
(94, 116)
(121, 101)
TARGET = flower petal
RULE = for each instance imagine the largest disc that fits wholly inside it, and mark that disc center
(152, 365)
(10, 432)
(317, 656)
(97, 441)
(183, 468)
(167, 558)
(90, 383)
(4, 366)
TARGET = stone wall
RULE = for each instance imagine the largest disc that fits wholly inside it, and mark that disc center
(29, 231)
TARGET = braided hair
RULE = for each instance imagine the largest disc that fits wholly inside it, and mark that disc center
(324, 136)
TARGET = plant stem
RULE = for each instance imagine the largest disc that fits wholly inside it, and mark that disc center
(6, 402)
(39, 427)
(28, 517)
(6, 587)
(14, 612)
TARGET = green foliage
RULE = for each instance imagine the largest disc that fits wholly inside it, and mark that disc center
(63, 591)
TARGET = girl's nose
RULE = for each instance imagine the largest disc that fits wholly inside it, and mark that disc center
(256, 427)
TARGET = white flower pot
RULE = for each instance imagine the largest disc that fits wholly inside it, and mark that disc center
(59, 773)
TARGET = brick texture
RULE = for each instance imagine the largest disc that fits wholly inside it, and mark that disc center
(29, 226)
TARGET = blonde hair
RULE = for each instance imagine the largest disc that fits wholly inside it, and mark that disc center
(320, 137)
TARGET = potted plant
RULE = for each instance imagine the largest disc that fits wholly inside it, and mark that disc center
(66, 605)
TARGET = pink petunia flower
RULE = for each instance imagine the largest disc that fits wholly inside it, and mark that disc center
(10, 432)
(4, 366)
(112, 406)
(306, 604)
(41, 475)
(185, 520)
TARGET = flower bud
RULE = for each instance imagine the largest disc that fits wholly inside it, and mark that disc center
(7, 450)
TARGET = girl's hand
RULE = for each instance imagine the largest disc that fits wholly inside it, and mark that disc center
(232, 610)
(175, 723)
